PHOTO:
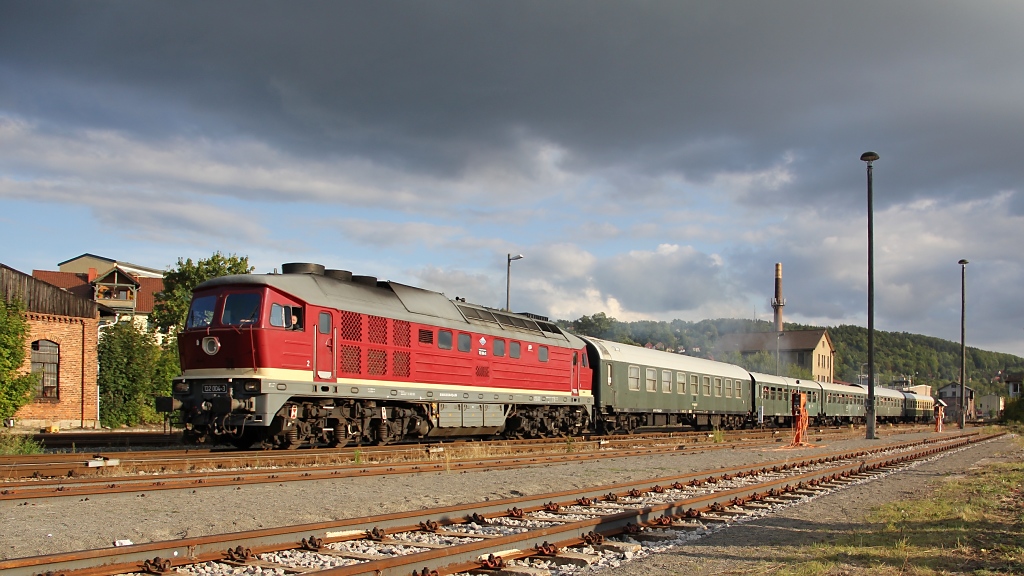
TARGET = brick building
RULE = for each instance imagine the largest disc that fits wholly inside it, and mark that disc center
(63, 330)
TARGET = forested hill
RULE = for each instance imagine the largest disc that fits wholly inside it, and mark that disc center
(897, 354)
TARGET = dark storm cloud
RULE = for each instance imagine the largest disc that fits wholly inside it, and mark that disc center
(695, 88)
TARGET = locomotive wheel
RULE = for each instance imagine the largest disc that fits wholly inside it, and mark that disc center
(245, 440)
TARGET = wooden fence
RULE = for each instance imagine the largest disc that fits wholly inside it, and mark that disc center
(43, 298)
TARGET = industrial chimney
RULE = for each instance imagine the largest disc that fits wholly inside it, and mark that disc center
(778, 302)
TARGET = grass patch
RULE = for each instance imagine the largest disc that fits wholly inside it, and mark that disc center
(18, 445)
(971, 524)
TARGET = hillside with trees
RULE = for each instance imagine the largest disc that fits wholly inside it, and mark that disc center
(898, 355)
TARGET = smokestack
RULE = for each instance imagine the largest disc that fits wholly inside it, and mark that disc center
(778, 302)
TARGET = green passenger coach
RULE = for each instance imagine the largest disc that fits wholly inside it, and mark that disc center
(637, 387)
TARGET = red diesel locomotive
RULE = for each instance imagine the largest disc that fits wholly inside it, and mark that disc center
(314, 356)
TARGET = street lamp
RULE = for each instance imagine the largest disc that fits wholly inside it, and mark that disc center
(963, 349)
(508, 278)
(869, 410)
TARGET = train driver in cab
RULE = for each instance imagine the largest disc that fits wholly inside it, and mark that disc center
(296, 320)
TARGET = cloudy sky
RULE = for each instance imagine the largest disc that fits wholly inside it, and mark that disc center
(650, 160)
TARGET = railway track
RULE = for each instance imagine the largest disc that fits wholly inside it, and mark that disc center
(41, 477)
(564, 527)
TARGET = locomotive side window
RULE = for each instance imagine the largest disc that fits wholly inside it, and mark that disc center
(542, 353)
(513, 349)
(585, 363)
(241, 309)
(444, 339)
(464, 342)
(499, 347)
(277, 315)
(200, 314)
(325, 323)
(634, 378)
(666, 381)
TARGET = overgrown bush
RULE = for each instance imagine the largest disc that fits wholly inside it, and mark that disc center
(18, 444)
(133, 368)
(1014, 411)
(15, 389)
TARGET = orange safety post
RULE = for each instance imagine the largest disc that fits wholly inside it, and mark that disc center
(800, 419)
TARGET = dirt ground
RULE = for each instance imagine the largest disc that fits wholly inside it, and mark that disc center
(766, 545)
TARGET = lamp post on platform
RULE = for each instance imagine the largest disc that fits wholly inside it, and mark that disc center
(963, 348)
(508, 278)
(869, 410)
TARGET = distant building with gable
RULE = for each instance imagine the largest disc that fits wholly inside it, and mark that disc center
(126, 289)
(811, 349)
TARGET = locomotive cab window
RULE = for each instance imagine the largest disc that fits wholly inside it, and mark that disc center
(542, 353)
(513, 349)
(444, 339)
(241, 309)
(499, 347)
(200, 314)
(465, 342)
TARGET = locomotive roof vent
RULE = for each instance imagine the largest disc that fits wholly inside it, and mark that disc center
(343, 275)
(365, 280)
(302, 268)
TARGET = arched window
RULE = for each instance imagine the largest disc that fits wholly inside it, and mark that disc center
(46, 362)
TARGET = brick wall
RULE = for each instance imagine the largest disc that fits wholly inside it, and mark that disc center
(76, 382)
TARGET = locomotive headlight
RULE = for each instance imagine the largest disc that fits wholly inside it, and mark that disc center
(181, 387)
(211, 345)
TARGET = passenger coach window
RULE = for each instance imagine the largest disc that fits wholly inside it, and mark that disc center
(444, 339)
(513, 349)
(666, 381)
(652, 380)
(707, 385)
(680, 383)
(241, 309)
(464, 342)
(728, 388)
(634, 378)
(542, 353)
(718, 386)
(200, 314)
(694, 384)
(499, 347)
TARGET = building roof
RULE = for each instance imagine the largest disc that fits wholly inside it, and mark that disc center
(134, 269)
(79, 285)
(756, 341)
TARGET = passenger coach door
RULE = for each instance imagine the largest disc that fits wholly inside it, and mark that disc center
(324, 349)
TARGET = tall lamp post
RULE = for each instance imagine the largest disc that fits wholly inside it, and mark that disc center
(508, 278)
(869, 410)
(963, 349)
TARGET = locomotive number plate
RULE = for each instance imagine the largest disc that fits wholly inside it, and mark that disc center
(215, 388)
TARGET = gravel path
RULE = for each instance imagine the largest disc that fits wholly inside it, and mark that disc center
(47, 526)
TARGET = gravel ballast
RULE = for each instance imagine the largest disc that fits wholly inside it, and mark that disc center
(47, 526)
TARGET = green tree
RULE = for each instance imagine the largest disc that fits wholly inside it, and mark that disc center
(172, 303)
(130, 374)
(15, 389)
